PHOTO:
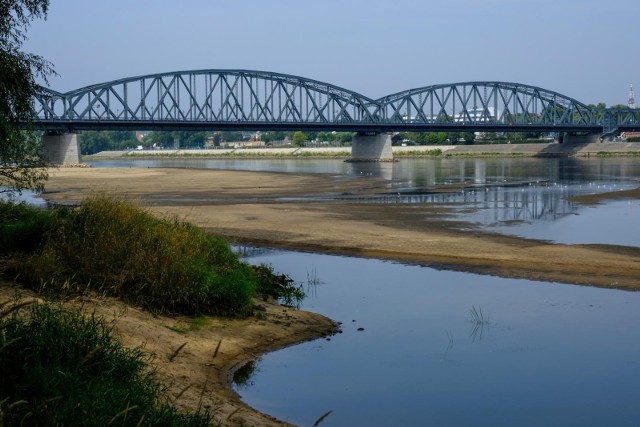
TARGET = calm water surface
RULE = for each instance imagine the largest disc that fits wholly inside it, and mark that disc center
(525, 197)
(542, 353)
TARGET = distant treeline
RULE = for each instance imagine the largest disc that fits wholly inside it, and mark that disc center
(93, 142)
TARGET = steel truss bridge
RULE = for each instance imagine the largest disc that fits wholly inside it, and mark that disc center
(257, 100)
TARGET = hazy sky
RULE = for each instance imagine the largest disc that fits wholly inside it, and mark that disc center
(586, 49)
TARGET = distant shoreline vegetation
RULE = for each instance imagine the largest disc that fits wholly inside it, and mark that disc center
(275, 145)
(485, 150)
(92, 142)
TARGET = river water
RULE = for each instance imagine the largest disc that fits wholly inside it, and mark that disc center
(539, 354)
(444, 348)
(520, 196)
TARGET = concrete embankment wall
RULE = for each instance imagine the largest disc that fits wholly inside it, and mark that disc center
(581, 150)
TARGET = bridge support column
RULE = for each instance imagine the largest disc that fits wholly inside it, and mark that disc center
(371, 147)
(62, 149)
(569, 138)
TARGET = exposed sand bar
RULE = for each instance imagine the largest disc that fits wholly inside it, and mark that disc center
(197, 376)
(278, 209)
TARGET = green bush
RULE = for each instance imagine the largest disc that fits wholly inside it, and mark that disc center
(22, 226)
(277, 286)
(118, 249)
(60, 368)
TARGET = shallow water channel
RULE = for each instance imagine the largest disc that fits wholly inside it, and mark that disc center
(443, 348)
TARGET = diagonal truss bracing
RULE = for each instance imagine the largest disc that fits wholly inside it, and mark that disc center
(214, 96)
(243, 99)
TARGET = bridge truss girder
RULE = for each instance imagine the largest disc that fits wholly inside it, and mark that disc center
(255, 100)
(202, 98)
(475, 103)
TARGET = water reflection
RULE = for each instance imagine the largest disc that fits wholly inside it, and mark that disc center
(541, 354)
(522, 196)
(420, 172)
(493, 205)
(382, 170)
(479, 322)
(242, 377)
(26, 196)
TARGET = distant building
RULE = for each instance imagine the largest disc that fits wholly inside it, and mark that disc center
(627, 135)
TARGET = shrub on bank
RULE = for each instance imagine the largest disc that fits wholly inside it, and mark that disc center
(61, 368)
(22, 227)
(115, 248)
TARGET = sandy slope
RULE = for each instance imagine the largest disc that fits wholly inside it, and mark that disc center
(198, 375)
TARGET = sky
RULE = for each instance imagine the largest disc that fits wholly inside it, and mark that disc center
(586, 49)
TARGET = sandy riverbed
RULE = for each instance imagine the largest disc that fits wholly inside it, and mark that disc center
(281, 210)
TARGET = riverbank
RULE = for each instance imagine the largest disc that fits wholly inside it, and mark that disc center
(480, 150)
(196, 359)
(285, 210)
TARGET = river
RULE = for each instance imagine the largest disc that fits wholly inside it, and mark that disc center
(421, 346)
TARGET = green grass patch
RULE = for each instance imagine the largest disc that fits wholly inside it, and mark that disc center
(488, 154)
(22, 227)
(417, 153)
(245, 153)
(618, 154)
(63, 368)
(115, 248)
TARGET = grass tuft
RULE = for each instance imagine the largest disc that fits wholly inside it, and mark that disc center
(477, 316)
(67, 369)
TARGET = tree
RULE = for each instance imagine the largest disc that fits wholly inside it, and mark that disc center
(299, 139)
(22, 165)
(95, 141)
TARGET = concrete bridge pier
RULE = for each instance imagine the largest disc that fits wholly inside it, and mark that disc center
(62, 148)
(572, 138)
(371, 147)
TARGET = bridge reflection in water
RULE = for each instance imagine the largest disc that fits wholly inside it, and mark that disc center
(499, 191)
(490, 205)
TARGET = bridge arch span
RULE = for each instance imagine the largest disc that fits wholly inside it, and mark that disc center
(478, 103)
(204, 97)
(259, 100)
